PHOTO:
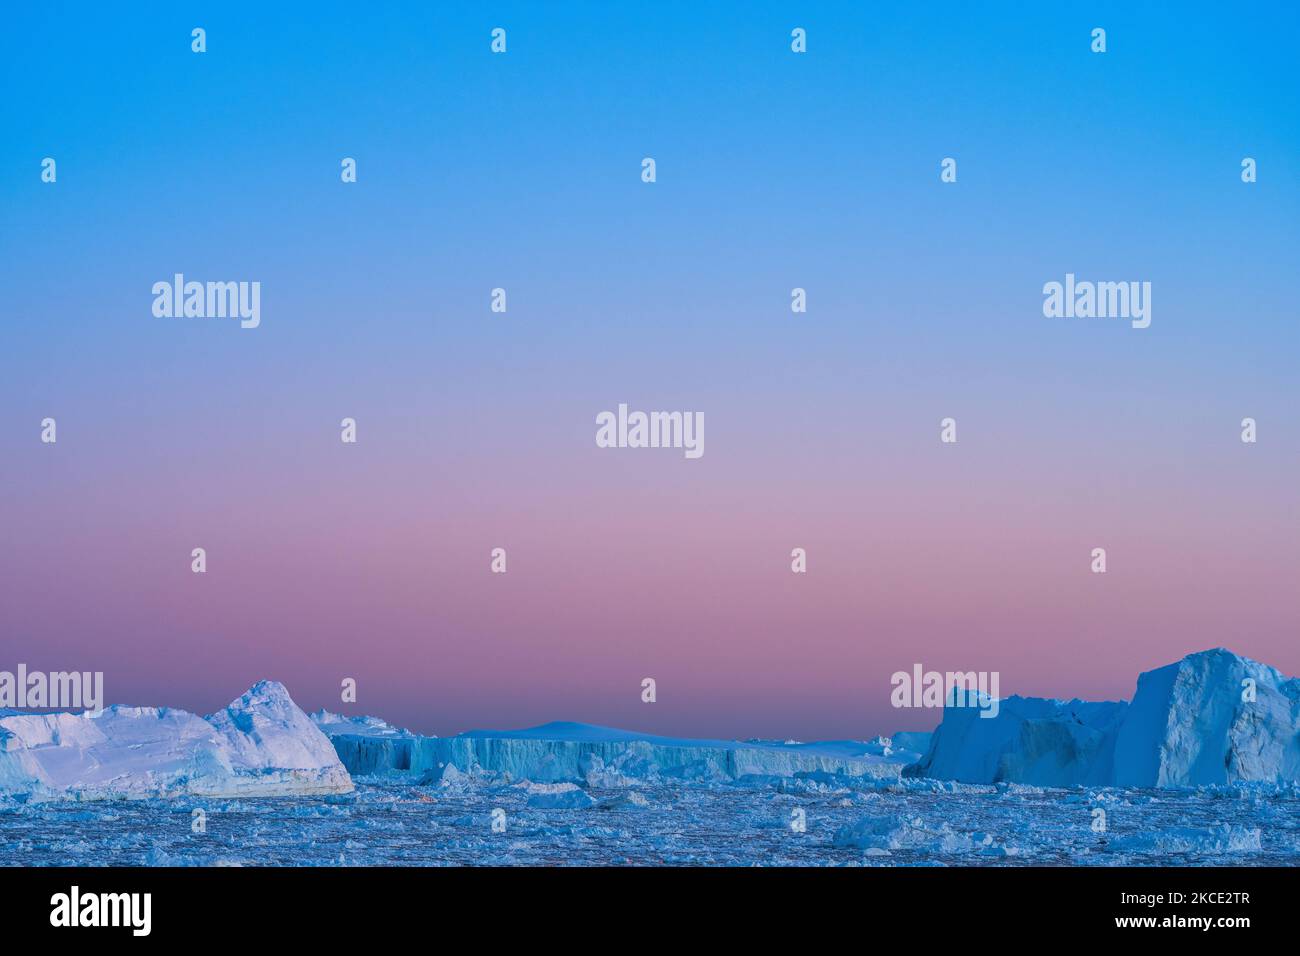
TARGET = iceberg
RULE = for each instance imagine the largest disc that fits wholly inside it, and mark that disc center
(1213, 718)
(260, 745)
(332, 724)
(1046, 743)
(571, 752)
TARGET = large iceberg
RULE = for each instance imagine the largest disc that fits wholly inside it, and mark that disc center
(261, 745)
(573, 752)
(1031, 740)
(1211, 718)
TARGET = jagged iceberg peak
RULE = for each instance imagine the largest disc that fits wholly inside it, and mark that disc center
(1214, 717)
(265, 729)
(260, 745)
(269, 695)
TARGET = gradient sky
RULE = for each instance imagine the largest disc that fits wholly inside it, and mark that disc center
(476, 430)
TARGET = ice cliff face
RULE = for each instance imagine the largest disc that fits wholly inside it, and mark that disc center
(603, 756)
(1211, 718)
(261, 745)
(1195, 723)
(1031, 740)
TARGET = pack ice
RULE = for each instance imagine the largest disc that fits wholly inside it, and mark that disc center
(1212, 718)
(261, 745)
(571, 752)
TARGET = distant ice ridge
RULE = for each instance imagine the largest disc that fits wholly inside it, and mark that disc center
(1212, 718)
(332, 724)
(606, 757)
(261, 745)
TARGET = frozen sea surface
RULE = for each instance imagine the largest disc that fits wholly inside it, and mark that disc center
(849, 821)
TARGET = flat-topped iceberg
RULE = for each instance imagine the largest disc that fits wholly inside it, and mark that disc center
(332, 724)
(1212, 718)
(604, 756)
(261, 745)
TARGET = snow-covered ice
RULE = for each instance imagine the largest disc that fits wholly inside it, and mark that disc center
(260, 745)
(332, 724)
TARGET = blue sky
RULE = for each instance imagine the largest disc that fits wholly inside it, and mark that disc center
(775, 170)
